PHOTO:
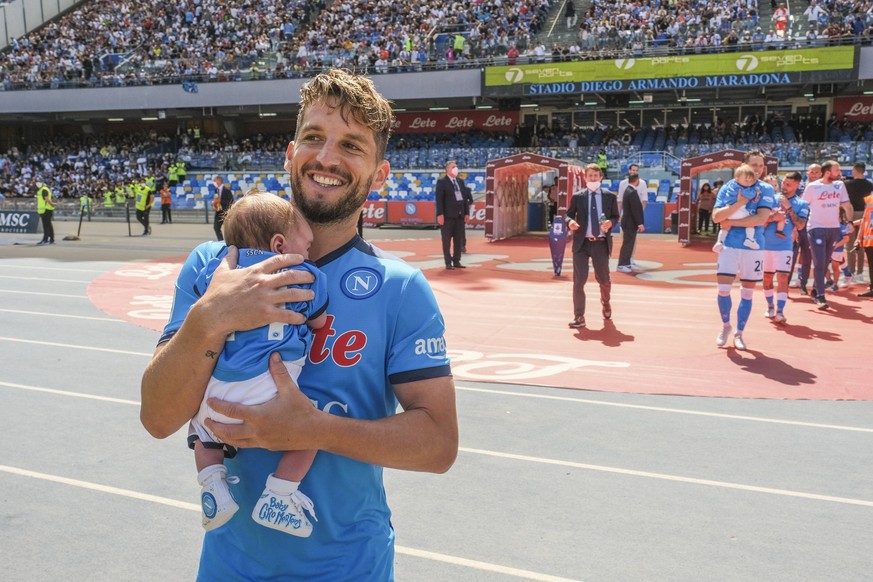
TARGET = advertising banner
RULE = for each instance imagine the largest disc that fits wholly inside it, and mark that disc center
(375, 213)
(420, 213)
(607, 72)
(455, 121)
(854, 108)
(411, 212)
(18, 221)
(760, 69)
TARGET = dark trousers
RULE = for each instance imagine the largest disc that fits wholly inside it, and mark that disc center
(48, 229)
(219, 220)
(801, 252)
(703, 217)
(855, 258)
(868, 251)
(453, 235)
(821, 244)
(142, 216)
(165, 214)
(598, 252)
(628, 241)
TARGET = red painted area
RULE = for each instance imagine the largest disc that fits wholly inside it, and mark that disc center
(510, 324)
(141, 292)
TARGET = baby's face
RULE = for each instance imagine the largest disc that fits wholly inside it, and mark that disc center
(746, 181)
(299, 239)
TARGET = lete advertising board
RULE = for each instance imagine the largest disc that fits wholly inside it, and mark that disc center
(455, 121)
(856, 108)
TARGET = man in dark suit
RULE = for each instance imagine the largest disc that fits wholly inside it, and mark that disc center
(591, 214)
(453, 200)
(632, 222)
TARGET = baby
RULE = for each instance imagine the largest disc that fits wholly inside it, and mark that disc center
(260, 224)
(745, 177)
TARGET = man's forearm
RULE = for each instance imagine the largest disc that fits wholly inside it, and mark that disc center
(758, 219)
(413, 440)
(174, 381)
(423, 437)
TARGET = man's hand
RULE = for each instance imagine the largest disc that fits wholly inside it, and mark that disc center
(605, 225)
(287, 422)
(573, 225)
(241, 299)
(441, 220)
(641, 228)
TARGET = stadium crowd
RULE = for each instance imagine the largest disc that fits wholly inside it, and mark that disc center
(107, 43)
(71, 164)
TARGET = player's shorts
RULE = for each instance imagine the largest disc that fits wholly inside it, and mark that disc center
(748, 263)
(838, 256)
(777, 261)
(255, 390)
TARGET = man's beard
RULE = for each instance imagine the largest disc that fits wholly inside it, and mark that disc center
(323, 213)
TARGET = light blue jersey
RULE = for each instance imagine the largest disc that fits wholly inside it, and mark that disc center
(246, 354)
(761, 195)
(775, 243)
(383, 328)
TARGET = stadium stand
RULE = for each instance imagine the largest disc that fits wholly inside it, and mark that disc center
(102, 43)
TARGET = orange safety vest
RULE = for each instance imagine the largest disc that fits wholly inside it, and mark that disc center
(866, 234)
(166, 198)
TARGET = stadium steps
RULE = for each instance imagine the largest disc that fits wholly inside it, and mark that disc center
(555, 28)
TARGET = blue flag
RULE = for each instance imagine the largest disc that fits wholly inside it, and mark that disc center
(558, 244)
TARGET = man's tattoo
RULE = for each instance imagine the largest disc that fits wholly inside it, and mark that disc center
(210, 354)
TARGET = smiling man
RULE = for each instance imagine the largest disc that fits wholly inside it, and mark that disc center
(363, 362)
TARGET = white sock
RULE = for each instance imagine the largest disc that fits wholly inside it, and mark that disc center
(281, 486)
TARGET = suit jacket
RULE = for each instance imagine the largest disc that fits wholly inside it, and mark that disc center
(446, 204)
(631, 209)
(577, 210)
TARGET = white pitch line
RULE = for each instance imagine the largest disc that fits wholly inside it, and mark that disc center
(601, 468)
(16, 267)
(43, 279)
(66, 315)
(481, 565)
(101, 488)
(75, 347)
(71, 394)
(675, 478)
(485, 566)
(44, 294)
(673, 410)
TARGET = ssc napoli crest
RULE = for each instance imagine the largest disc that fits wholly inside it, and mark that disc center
(361, 283)
(409, 208)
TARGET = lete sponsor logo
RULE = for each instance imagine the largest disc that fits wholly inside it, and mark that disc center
(421, 122)
(854, 108)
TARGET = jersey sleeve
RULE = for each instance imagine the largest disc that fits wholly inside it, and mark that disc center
(187, 292)
(801, 209)
(844, 194)
(726, 195)
(417, 350)
(768, 196)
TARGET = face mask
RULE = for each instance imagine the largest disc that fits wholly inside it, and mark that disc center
(593, 186)
(453, 172)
